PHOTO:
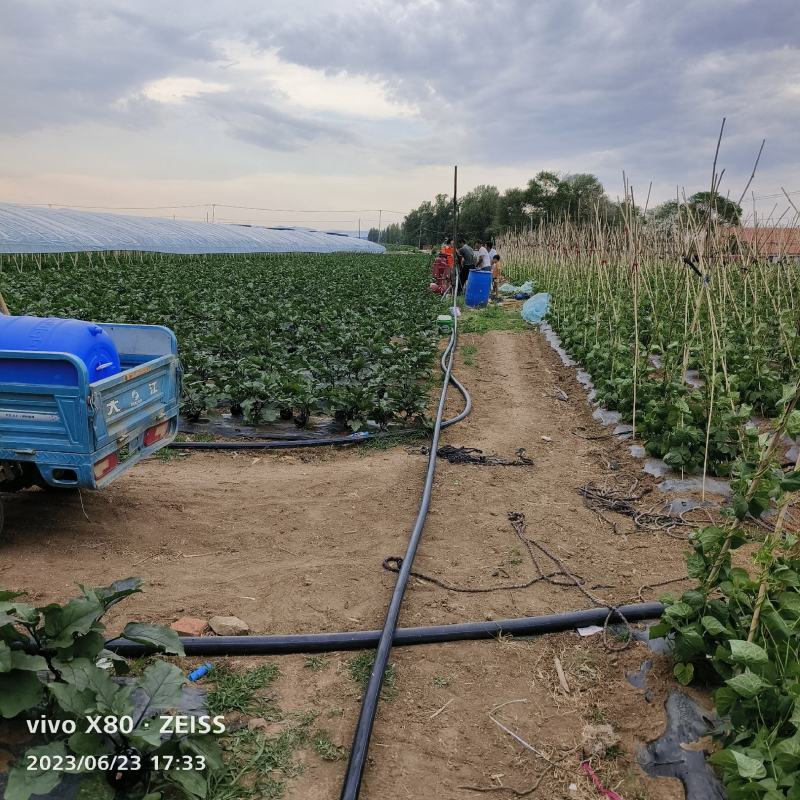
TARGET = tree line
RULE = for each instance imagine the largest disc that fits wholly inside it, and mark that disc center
(484, 213)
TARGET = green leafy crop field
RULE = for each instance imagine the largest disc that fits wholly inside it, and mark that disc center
(268, 336)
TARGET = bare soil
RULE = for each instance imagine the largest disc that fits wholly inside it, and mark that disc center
(294, 542)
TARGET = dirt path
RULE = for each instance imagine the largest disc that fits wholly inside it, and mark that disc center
(293, 542)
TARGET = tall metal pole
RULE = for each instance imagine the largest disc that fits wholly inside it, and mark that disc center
(455, 234)
(455, 204)
(380, 214)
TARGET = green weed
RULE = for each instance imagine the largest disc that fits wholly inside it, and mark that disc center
(360, 668)
(326, 749)
(238, 691)
(388, 442)
(491, 318)
(257, 766)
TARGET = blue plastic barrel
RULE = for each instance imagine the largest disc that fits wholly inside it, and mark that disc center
(479, 286)
(85, 340)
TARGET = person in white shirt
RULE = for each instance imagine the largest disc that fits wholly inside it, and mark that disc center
(484, 262)
(492, 252)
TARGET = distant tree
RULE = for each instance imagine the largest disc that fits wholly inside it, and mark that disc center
(392, 234)
(430, 222)
(484, 212)
(552, 197)
(700, 207)
(373, 234)
(720, 209)
(584, 194)
(510, 211)
(477, 212)
(665, 215)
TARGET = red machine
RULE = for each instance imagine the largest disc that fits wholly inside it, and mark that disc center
(442, 274)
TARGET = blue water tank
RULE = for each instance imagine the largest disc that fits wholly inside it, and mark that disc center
(479, 286)
(85, 340)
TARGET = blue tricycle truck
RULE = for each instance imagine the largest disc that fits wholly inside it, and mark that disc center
(81, 403)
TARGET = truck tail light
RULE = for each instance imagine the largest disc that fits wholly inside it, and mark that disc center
(156, 433)
(105, 465)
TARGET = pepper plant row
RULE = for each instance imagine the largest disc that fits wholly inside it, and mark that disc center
(291, 335)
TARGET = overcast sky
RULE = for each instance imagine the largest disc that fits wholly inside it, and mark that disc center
(323, 104)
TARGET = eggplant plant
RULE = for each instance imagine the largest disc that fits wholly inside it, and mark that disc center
(266, 336)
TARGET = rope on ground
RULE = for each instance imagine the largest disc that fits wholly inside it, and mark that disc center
(472, 455)
(393, 564)
(570, 579)
(622, 501)
(640, 593)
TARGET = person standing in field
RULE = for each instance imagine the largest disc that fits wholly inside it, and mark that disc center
(466, 262)
(483, 256)
(449, 251)
(497, 273)
(492, 252)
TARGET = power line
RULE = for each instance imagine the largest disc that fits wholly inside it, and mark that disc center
(222, 205)
(117, 208)
(314, 211)
(773, 196)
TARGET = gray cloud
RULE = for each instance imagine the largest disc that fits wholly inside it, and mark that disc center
(604, 84)
(643, 84)
(267, 125)
(71, 63)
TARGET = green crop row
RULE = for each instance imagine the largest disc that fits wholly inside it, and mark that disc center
(687, 357)
(347, 335)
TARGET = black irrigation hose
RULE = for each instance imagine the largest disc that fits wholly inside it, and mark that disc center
(369, 702)
(366, 640)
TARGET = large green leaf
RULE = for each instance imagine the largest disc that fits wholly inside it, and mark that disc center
(5, 657)
(108, 596)
(19, 691)
(146, 735)
(747, 684)
(748, 653)
(89, 744)
(93, 686)
(192, 782)
(87, 646)
(24, 661)
(17, 613)
(787, 752)
(714, 626)
(684, 672)
(789, 601)
(24, 782)
(207, 747)
(162, 683)
(749, 768)
(63, 624)
(163, 639)
(72, 700)
(679, 611)
(791, 481)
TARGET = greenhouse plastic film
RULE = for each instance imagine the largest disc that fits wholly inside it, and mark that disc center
(25, 229)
